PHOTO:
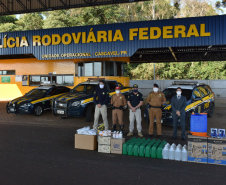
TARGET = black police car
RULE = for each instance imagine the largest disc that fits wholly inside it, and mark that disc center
(36, 100)
(79, 102)
(200, 99)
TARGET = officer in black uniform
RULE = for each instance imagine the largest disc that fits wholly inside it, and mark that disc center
(101, 99)
(135, 101)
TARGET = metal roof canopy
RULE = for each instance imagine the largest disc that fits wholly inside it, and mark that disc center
(9, 7)
(180, 54)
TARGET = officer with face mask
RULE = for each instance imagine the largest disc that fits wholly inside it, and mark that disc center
(118, 101)
(135, 101)
(178, 103)
(101, 99)
(155, 101)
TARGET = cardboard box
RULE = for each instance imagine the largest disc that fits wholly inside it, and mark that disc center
(116, 145)
(217, 151)
(197, 149)
(104, 140)
(104, 148)
(87, 142)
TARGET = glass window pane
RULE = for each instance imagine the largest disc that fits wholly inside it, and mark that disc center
(59, 80)
(0, 72)
(68, 80)
(97, 68)
(80, 69)
(88, 69)
(34, 80)
(4, 72)
(109, 68)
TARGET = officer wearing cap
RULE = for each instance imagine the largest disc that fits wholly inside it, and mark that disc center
(155, 101)
(118, 101)
(101, 99)
(135, 101)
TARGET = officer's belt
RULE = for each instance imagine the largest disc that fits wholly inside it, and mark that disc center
(150, 106)
(120, 108)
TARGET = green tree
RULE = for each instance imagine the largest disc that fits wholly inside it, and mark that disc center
(7, 27)
(31, 21)
(57, 19)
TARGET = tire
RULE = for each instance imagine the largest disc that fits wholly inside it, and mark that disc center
(210, 111)
(187, 121)
(89, 113)
(38, 110)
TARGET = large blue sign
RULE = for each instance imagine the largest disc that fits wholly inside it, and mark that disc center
(114, 40)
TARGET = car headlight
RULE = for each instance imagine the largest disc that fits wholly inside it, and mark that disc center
(76, 103)
(26, 105)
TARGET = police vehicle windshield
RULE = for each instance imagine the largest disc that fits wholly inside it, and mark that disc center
(85, 88)
(169, 93)
(36, 92)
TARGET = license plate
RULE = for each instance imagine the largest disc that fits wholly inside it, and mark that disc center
(11, 109)
(60, 112)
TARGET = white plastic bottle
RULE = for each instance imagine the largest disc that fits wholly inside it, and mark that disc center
(184, 153)
(114, 134)
(165, 151)
(178, 153)
(117, 134)
(120, 135)
(172, 152)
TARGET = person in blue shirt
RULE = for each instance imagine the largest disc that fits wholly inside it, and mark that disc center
(101, 99)
(135, 101)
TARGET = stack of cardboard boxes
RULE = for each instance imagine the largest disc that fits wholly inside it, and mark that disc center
(104, 144)
(206, 150)
(107, 144)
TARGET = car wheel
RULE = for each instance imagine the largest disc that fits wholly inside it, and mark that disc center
(38, 110)
(89, 113)
(7, 109)
(187, 121)
(211, 111)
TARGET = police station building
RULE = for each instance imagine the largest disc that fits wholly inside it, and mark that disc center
(68, 56)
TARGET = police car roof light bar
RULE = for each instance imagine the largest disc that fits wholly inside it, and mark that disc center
(185, 83)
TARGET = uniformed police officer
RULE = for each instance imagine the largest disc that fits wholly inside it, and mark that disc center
(135, 101)
(118, 101)
(101, 99)
(155, 101)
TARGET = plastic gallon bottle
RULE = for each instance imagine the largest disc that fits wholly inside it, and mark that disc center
(184, 153)
(172, 152)
(178, 153)
(165, 151)
(120, 135)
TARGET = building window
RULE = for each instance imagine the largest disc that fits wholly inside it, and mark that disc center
(7, 72)
(97, 68)
(64, 80)
(80, 69)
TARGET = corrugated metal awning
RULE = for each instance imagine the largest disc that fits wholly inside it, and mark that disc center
(9, 7)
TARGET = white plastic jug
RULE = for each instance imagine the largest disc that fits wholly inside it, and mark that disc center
(165, 151)
(172, 152)
(178, 154)
(184, 154)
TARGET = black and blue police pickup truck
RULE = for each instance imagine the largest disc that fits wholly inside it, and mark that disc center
(79, 102)
(200, 99)
(36, 101)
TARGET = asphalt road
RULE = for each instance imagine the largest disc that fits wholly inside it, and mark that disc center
(40, 151)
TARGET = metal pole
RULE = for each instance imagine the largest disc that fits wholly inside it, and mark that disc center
(154, 72)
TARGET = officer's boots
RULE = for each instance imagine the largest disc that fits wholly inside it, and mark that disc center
(121, 128)
(113, 128)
